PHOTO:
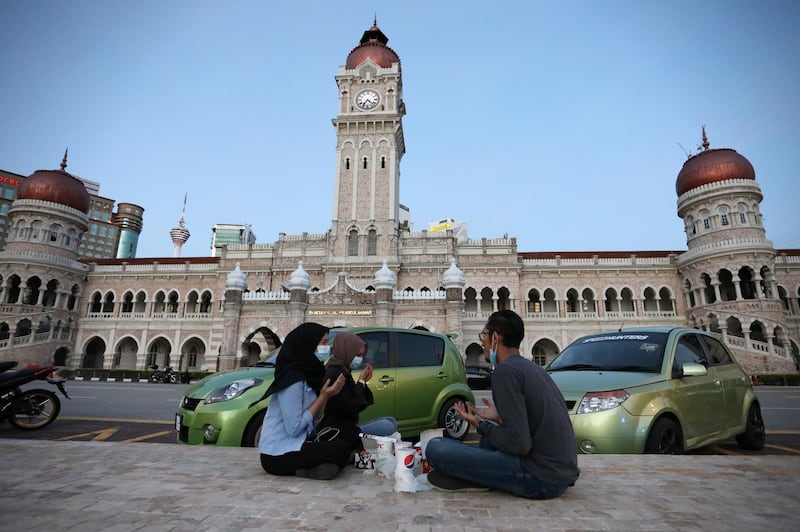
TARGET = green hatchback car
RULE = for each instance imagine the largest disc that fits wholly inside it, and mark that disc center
(418, 376)
(656, 390)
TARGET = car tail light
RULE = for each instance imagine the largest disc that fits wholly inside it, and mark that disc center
(601, 401)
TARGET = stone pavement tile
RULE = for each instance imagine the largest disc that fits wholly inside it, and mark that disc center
(87, 486)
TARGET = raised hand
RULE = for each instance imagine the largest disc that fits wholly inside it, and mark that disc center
(366, 373)
(330, 389)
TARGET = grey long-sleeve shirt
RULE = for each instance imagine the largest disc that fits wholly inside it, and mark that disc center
(536, 425)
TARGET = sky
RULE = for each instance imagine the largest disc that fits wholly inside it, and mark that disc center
(563, 123)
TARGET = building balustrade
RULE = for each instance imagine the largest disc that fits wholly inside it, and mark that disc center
(659, 314)
(265, 296)
(624, 314)
(543, 315)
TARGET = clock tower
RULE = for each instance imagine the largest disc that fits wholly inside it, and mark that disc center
(369, 145)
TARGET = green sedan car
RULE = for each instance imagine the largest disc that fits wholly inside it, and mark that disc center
(657, 390)
(417, 378)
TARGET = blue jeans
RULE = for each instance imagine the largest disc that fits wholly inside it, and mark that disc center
(382, 426)
(488, 467)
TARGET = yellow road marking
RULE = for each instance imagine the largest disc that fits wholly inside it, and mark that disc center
(721, 450)
(119, 420)
(148, 436)
(782, 448)
(100, 435)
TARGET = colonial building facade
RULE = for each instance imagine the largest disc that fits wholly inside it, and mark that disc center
(371, 269)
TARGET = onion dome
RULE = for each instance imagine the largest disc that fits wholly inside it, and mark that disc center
(56, 186)
(712, 166)
(453, 277)
(300, 280)
(372, 46)
(236, 280)
(385, 278)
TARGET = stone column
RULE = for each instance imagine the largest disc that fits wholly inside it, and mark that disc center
(737, 284)
(235, 285)
(759, 291)
(715, 285)
(453, 281)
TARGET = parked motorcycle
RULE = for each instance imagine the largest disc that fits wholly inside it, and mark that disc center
(32, 408)
(161, 376)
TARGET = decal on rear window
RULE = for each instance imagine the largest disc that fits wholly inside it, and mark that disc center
(616, 337)
(648, 347)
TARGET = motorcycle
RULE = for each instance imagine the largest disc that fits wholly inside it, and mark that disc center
(161, 376)
(33, 408)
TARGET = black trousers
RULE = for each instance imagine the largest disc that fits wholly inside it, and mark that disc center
(311, 454)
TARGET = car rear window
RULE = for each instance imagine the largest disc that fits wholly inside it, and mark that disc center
(637, 352)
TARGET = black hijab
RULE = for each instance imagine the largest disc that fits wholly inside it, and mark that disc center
(297, 361)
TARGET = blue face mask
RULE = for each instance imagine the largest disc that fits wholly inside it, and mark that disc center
(323, 352)
(356, 363)
(493, 358)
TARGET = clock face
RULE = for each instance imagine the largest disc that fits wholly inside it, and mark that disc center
(367, 99)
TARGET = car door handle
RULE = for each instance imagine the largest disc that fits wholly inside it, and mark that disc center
(386, 379)
(441, 375)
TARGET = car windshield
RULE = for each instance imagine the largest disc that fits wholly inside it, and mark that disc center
(634, 352)
(268, 362)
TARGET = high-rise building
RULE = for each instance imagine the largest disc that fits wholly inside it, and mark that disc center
(223, 235)
(9, 183)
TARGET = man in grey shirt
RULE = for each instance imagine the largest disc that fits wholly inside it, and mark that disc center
(527, 444)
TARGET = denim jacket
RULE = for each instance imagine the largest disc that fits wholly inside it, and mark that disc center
(288, 421)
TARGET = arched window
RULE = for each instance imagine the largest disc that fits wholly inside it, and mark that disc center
(347, 163)
(205, 302)
(365, 163)
(352, 243)
(36, 229)
(742, 210)
(534, 302)
(54, 230)
(723, 216)
(706, 216)
(383, 162)
(372, 242)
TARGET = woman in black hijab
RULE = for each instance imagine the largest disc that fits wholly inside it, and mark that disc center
(298, 396)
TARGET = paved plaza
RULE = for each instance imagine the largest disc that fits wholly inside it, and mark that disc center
(88, 486)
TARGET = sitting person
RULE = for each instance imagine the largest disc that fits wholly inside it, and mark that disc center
(343, 409)
(298, 396)
(527, 444)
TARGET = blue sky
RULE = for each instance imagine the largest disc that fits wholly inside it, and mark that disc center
(562, 123)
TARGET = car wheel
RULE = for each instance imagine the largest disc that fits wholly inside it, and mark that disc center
(754, 434)
(665, 438)
(454, 425)
(252, 433)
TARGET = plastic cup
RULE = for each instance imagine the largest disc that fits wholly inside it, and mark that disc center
(384, 446)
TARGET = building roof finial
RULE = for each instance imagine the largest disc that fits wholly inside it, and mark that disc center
(64, 161)
(705, 139)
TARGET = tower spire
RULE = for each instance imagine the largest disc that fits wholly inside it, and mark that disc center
(64, 161)
(179, 233)
(706, 144)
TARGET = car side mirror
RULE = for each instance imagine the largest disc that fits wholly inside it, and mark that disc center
(692, 369)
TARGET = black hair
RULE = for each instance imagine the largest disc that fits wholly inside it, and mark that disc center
(508, 325)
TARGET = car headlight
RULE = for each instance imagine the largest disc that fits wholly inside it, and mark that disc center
(232, 390)
(601, 401)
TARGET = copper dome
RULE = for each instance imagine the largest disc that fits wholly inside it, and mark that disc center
(372, 46)
(711, 166)
(56, 186)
